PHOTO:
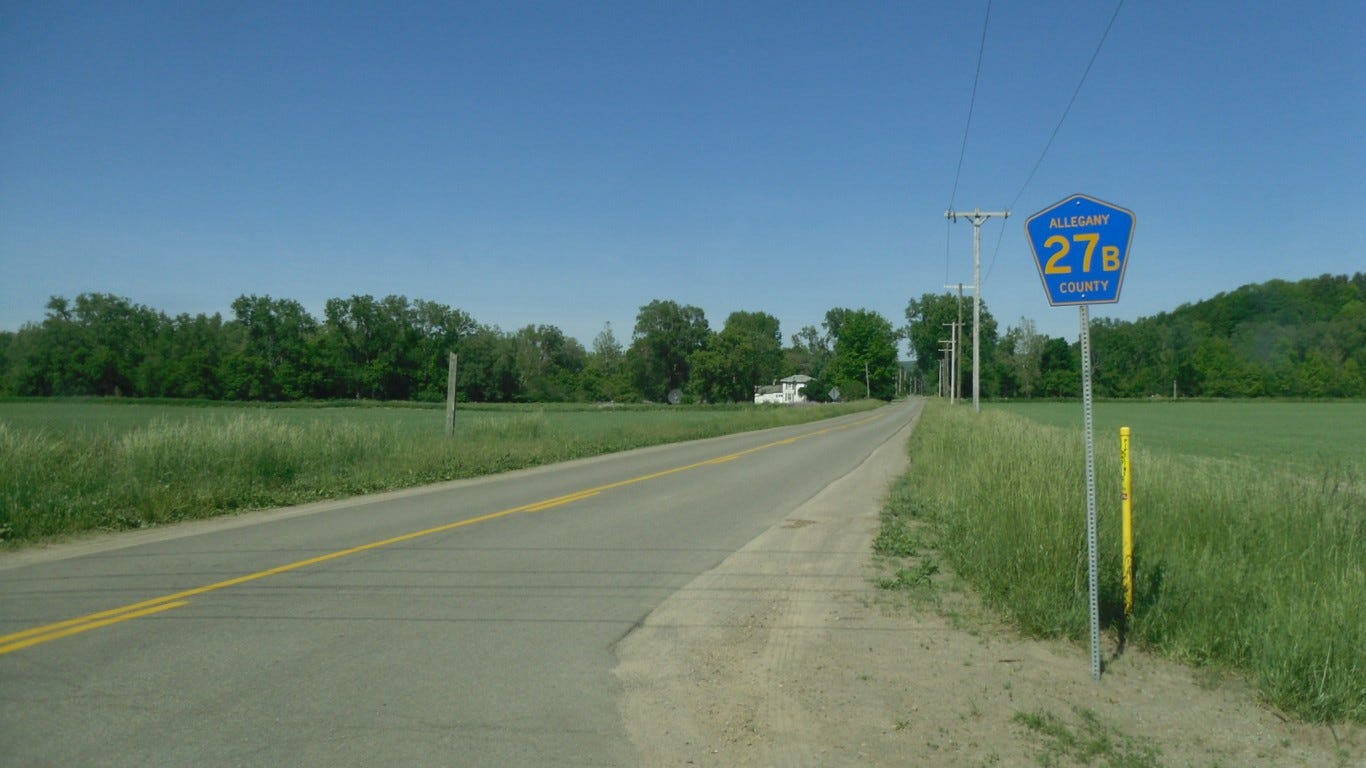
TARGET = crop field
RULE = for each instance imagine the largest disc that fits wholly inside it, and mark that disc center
(1250, 531)
(1300, 437)
(73, 466)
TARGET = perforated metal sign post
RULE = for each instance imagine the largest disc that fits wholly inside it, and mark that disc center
(1081, 246)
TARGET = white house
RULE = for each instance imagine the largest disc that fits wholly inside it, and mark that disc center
(786, 391)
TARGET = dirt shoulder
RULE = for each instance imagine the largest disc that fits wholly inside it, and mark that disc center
(787, 654)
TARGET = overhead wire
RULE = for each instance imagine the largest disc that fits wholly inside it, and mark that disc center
(963, 150)
(1048, 145)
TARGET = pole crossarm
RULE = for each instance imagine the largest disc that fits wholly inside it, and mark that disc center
(978, 217)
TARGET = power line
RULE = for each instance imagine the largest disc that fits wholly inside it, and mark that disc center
(1070, 102)
(1056, 128)
(972, 102)
(999, 237)
(963, 150)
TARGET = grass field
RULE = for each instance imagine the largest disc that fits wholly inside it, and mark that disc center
(73, 466)
(1250, 523)
(1305, 437)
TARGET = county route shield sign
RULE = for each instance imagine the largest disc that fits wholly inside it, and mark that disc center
(1081, 245)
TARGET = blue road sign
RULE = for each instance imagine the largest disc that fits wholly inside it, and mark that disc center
(1081, 245)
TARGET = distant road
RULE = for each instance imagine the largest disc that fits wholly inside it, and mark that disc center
(472, 623)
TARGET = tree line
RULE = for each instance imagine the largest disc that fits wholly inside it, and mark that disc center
(1304, 339)
(396, 349)
(1274, 339)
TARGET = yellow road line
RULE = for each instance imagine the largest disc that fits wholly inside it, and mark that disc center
(38, 635)
(73, 628)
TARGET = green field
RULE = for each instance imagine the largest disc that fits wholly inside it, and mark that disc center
(73, 466)
(1250, 531)
(1288, 436)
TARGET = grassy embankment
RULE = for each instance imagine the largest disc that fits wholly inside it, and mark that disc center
(72, 466)
(1250, 523)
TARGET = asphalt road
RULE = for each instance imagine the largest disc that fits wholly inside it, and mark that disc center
(472, 623)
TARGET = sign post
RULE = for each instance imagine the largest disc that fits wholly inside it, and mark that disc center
(1081, 246)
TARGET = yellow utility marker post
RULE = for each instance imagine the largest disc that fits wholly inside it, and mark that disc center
(1127, 509)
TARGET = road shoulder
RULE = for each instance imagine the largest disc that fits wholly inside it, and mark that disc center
(788, 654)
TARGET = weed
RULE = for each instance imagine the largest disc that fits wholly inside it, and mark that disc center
(1089, 742)
(911, 578)
(1242, 565)
(896, 541)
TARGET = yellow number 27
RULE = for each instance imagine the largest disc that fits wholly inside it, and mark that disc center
(1109, 255)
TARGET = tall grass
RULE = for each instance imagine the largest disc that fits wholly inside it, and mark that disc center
(72, 467)
(1239, 565)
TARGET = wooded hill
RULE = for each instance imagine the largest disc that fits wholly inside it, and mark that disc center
(1304, 339)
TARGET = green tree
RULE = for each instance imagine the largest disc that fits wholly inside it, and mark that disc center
(372, 347)
(747, 352)
(1222, 372)
(809, 354)
(441, 330)
(41, 355)
(1021, 358)
(548, 364)
(928, 321)
(116, 336)
(272, 351)
(488, 366)
(186, 359)
(865, 361)
(665, 338)
(605, 376)
(1060, 369)
(6, 346)
(94, 347)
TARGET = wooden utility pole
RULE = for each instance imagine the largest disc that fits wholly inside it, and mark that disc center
(451, 364)
(953, 362)
(977, 217)
(958, 330)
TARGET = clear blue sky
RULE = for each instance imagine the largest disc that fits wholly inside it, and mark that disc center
(566, 163)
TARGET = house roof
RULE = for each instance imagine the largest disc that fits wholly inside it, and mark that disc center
(799, 378)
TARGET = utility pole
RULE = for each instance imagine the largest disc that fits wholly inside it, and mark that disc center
(452, 364)
(958, 361)
(946, 368)
(977, 217)
(955, 360)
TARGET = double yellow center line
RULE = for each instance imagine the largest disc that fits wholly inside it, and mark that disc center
(48, 632)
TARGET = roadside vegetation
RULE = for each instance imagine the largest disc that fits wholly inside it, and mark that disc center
(1250, 558)
(1089, 742)
(73, 466)
(396, 349)
(1304, 339)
